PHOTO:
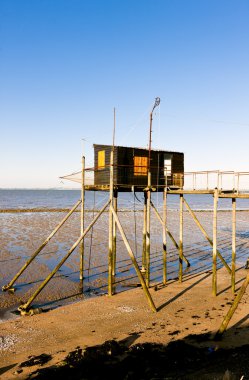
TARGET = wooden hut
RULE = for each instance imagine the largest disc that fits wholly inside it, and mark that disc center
(131, 167)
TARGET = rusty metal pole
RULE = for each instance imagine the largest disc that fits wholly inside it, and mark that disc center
(144, 234)
(147, 276)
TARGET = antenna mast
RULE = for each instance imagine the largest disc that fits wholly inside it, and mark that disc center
(157, 102)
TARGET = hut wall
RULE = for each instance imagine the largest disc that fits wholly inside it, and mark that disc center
(131, 164)
(178, 169)
(102, 173)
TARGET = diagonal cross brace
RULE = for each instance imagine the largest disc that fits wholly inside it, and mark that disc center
(206, 235)
(133, 259)
(25, 307)
(29, 261)
(169, 233)
(233, 307)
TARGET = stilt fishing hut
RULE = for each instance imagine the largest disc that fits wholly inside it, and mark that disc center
(131, 165)
(118, 168)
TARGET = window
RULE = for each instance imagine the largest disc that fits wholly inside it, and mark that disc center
(101, 159)
(140, 165)
(167, 165)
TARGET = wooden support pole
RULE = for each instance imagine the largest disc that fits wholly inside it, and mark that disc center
(181, 238)
(165, 236)
(29, 261)
(206, 235)
(82, 219)
(133, 259)
(31, 299)
(110, 251)
(114, 244)
(233, 307)
(147, 275)
(214, 277)
(169, 233)
(144, 233)
(233, 243)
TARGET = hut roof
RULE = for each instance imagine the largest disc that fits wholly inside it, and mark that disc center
(135, 147)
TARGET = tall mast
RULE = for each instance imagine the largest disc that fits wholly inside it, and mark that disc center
(157, 102)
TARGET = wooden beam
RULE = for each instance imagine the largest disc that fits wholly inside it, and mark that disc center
(165, 236)
(234, 195)
(233, 307)
(48, 278)
(134, 262)
(110, 244)
(206, 235)
(82, 219)
(144, 233)
(29, 261)
(233, 244)
(169, 233)
(181, 237)
(147, 274)
(214, 278)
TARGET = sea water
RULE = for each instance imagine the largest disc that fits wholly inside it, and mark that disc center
(53, 198)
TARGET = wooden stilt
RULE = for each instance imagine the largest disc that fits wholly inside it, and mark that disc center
(29, 261)
(114, 244)
(233, 307)
(110, 252)
(82, 219)
(205, 234)
(233, 243)
(144, 233)
(74, 246)
(147, 275)
(169, 233)
(133, 259)
(181, 238)
(165, 236)
(214, 278)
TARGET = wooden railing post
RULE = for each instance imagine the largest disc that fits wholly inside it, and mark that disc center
(164, 236)
(214, 278)
(233, 243)
(181, 238)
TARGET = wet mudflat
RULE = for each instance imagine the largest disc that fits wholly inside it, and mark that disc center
(21, 234)
(105, 336)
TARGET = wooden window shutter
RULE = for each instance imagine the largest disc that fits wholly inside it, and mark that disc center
(140, 165)
(101, 159)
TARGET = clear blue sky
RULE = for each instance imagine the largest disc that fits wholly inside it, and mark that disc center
(64, 65)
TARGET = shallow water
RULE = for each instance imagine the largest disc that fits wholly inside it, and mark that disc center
(24, 199)
(22, 233)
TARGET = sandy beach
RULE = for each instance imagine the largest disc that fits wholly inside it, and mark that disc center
(187, 311)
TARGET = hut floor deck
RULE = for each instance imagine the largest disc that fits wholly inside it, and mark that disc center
(187, 312)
